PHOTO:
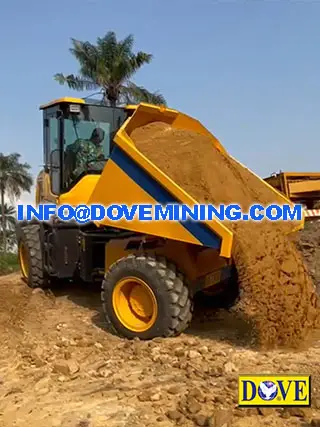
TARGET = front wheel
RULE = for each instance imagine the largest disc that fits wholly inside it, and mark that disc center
(30, 257)
(146, 297)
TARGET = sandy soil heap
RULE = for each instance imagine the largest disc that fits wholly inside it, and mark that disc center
(277, 291)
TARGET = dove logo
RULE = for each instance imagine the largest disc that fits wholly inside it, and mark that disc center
(267, 390)
(274, 390)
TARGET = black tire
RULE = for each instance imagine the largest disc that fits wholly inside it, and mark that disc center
(30, 240)
(174, 304)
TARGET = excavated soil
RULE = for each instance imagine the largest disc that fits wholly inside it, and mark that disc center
(60, 368)
(277, 293)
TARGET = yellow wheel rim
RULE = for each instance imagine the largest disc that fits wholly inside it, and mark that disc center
(23, 259)
(135, 304)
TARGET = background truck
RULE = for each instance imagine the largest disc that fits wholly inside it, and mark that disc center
(300, 187)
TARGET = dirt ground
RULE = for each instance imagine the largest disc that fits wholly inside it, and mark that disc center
(59, 367)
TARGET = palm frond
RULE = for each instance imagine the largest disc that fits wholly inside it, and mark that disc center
(8, 209)
(10, 217)
(89, 59)
(125, 46)
(15, 177)
(134, 94)
(76, 82)
(109, 41)
(140, 59)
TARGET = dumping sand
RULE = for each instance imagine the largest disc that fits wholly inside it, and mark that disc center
(277, 293)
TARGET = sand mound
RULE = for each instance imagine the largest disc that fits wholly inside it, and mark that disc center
(21, 309)
(277, 292)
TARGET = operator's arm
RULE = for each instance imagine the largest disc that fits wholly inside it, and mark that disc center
(100, 153)
(96, 158)
(81, 158)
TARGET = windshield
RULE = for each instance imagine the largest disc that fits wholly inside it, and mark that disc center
(87, 139)
(75, 130)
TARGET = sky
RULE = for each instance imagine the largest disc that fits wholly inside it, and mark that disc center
(248, 70)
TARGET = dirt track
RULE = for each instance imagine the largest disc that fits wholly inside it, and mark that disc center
(60, 368)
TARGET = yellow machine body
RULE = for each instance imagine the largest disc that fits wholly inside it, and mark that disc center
(131, 178)
(150, 272)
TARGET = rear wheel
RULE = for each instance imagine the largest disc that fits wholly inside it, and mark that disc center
(146, 297)
(30, 257)
(224, 295)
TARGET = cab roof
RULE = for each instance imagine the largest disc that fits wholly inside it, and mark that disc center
(70, 100)
(61, 100)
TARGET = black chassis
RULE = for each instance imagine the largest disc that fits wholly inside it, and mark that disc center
(73, 251)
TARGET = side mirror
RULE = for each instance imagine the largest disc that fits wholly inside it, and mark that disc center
(55, 159)
(55, 171)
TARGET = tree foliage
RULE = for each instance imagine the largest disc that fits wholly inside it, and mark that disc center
(109, 66)
(15, 178)
(10, 220)
(10, 214)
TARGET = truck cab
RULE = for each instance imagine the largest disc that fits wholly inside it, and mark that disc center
(67, 121)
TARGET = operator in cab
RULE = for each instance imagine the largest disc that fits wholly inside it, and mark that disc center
(89, 152)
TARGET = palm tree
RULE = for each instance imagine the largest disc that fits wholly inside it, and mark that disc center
(10, 215)
(10, 219)
(109, 65)
(15, 178)
(10, 241)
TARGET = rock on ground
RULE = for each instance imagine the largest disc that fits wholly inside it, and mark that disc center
(59, 367)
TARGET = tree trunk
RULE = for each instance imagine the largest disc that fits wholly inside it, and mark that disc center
(3, 221)
(112, 95)
(112, 101)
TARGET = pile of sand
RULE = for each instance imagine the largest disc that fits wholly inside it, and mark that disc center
(277, 292)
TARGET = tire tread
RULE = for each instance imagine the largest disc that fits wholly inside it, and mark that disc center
(32, 241)
(179, 302)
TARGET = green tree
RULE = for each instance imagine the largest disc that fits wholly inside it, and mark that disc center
(10, 235)
(110, 65)
(10, 215)
(15, 179)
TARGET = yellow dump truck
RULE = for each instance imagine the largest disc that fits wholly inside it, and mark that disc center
(149, 271)
(300, 187)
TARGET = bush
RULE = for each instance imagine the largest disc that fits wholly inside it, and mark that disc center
(8, 263)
